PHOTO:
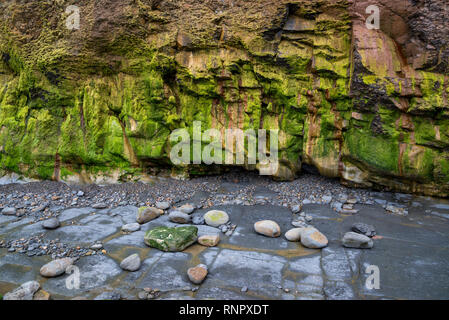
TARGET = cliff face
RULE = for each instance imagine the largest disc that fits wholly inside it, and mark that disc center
(368, 106)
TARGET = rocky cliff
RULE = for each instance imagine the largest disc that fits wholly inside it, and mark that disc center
(369, 106)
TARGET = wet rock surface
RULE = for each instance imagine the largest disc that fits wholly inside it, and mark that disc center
(411, 251)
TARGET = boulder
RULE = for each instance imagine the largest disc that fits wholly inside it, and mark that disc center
(209, 240)
(171, 239)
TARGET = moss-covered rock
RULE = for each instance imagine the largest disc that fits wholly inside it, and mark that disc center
(98, 104)
(171, 239)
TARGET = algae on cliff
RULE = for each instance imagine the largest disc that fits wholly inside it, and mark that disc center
(367, 106)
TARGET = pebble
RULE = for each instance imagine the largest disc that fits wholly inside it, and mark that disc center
(197, 274)
(198, 220)
(267, 228)
(179, 217)
(296, 208)
(51, 224)
(209, 240)
(131, 227)
(313, 239)
(80, 193)
(396, 210)
(244, 289)
(215, 218)
(56, 267)
(357, 240)
(131, 263)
